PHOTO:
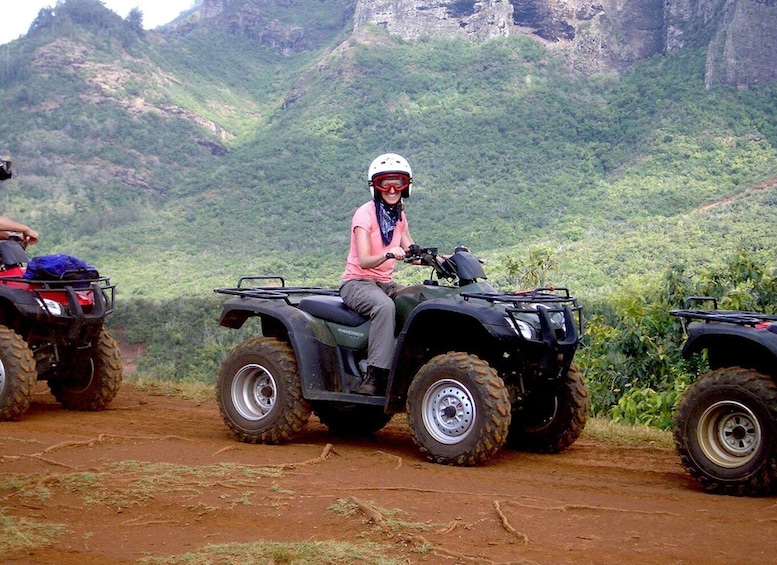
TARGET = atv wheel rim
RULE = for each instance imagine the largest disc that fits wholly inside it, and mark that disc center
(81, 385)
(2, 376)
(448, 411)
(254, 392)
(729, 434)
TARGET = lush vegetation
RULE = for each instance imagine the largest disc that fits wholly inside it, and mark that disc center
(179, 160)
(632, 349)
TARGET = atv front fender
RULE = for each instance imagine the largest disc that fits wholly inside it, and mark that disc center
(441, 325)
(313, 344)
(21, 301)
(730, 345)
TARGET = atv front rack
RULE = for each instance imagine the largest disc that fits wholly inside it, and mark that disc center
(72, 293)
(88, 301)
(543, 303)
(289, 294)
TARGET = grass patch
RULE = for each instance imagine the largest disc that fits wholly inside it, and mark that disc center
(194, 391)
(319, 552)
(41, 487)
(626, 435)
(390, 517)
(23, 534)
(131, 483)
(142, 480)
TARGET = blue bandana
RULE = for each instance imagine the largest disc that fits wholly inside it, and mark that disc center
(388, 216)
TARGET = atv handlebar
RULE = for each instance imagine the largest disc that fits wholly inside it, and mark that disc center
(429, 257)
(412, 255)
(418, 255)
(5, 169)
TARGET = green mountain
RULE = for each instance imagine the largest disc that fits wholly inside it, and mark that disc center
(179, 159)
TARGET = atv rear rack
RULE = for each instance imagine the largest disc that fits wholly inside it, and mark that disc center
(727, 316)
(739, 317)
(289, 294)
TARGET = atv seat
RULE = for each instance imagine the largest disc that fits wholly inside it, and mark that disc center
(331, 309)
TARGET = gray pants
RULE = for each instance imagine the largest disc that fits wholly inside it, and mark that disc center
(375, 301)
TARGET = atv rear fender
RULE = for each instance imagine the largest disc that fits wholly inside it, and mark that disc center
(730, 345)
(313, 344)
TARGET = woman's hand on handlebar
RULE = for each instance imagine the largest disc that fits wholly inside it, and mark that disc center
(414, 254)
(397, 253)
(30, 237)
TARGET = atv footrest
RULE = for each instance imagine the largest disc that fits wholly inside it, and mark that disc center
(345, 397)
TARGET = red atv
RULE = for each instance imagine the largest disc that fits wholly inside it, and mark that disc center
(52, 329)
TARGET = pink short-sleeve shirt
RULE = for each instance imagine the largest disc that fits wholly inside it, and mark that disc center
(365, 217)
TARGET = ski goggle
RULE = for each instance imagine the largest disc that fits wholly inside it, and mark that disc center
(385, 183)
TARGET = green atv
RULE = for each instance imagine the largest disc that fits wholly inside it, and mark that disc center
(473, 368)
(725, 426)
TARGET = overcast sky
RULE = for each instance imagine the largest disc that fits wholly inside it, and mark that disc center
(16, 16)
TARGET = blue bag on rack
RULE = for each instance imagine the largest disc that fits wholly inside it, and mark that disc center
(60, 268)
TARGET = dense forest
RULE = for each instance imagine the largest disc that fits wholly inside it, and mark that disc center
(179, 159)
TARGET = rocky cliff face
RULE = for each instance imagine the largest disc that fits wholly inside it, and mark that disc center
(740, 35)
(476, 20)
(743, 49)
(603, 33)
(286, 26)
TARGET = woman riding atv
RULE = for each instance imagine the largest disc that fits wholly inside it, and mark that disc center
(8, 226)
(379, 236)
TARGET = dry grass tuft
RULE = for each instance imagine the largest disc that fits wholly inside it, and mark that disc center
(601, 429)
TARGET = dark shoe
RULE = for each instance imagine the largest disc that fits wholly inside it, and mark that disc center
(374, 382)
(368, 386)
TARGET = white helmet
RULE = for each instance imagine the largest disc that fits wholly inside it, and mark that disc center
(390, 163)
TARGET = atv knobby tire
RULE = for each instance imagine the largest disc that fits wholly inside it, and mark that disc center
(551, 424)
(93, 382)
(259, 392)
(725, 431)
(458, 410)
(17, 374)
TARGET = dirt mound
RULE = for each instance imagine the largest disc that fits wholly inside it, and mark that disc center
(157, 476)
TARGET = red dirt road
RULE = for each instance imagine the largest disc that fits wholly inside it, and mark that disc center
(156, 476)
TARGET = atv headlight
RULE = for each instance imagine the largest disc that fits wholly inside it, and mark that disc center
(52, 306)
(525, 329)
(556, 317)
